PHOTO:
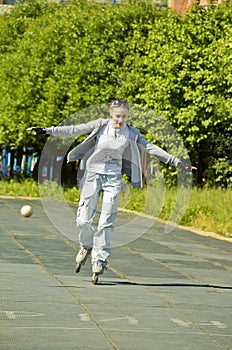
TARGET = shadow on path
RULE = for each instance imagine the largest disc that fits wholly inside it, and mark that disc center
(180, 285)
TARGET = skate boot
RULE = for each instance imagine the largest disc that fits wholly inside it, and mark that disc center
(98, 268)
(81, 258)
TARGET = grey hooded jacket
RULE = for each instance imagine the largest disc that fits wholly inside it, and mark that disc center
(131, 162)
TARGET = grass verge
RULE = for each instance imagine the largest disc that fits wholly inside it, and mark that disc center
(208, 209)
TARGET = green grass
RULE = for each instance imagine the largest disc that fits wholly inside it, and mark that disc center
(208, 209)
(25, 188)
(30, 188)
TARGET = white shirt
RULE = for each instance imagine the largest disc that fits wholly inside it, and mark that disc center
(109, 148)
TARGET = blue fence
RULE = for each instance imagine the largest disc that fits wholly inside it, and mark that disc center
(17, 162)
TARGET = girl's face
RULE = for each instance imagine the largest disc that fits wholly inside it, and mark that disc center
(119, 116)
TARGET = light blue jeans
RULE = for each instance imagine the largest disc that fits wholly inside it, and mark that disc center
(98, 239)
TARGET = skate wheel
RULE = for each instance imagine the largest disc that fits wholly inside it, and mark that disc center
(95, 278)
(78, 268)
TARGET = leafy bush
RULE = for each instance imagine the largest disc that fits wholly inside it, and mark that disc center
(27, 188)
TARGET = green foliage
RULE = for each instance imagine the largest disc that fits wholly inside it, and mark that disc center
(210, 210)
(24, 188)
(30, 188)
(72, 194)
(56, 60)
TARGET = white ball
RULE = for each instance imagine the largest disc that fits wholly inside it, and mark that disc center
(26, 211)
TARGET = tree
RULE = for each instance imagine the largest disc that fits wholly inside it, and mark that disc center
(58, 59)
